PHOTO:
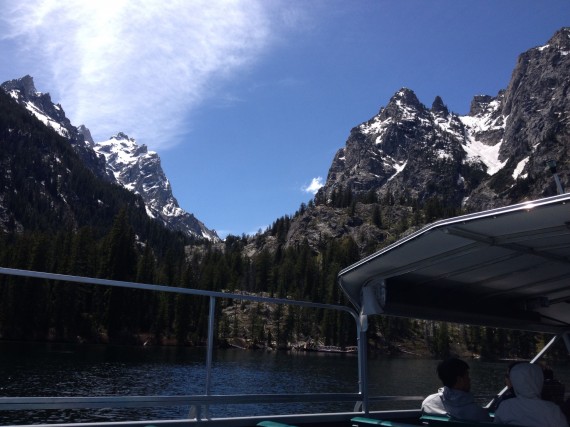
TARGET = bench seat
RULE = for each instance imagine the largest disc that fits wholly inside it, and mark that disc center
(367, 422)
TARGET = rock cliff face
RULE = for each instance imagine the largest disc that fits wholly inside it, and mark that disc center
(119, 160)
(535, 109)
(406, 149)
(52, 115)
(140, 171)
(479, 160)
(494, 156)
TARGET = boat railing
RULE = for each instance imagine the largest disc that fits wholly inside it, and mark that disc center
(200, 403)
(195, 401)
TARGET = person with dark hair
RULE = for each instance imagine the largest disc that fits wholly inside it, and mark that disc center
(454, 399)
(527, 408)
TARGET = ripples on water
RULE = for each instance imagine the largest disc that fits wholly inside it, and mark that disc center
(84, 370)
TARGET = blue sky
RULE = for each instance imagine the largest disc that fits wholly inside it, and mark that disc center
(246, 102)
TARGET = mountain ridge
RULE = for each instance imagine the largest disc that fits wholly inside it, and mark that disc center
(409, 159)
(143, 167)
(405, 157)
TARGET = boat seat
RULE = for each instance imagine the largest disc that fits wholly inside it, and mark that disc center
(434, 417)
(365, 422)
(273, 424)
(458, 423)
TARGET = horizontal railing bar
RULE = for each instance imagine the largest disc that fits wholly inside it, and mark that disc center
(142, 401)
(173, 289)
(21, 403)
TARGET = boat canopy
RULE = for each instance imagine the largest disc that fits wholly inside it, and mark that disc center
(507, 267)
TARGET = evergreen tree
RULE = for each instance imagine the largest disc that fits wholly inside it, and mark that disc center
(120, 264)
(182, 309)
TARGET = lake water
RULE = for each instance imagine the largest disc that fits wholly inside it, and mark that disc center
(87, 370)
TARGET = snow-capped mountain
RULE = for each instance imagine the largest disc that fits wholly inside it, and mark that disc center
(118, 160)
(52, 115)
(410, 163)
(409, 149)
(140, 171)
(493, 156)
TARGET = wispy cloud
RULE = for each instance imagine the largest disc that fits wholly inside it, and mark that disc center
(136, 67)
(314, 186)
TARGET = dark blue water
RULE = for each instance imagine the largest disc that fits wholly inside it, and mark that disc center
(86, 370)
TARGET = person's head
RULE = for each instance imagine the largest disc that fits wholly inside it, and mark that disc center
(527, 380)
(454, 373)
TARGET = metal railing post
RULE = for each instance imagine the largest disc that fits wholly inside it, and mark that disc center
(545, 348)
(361, 327)
(209, 356)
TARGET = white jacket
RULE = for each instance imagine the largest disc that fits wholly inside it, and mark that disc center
(527, 408)
(455, 403)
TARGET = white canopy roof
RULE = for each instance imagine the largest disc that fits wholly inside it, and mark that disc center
(506, 267)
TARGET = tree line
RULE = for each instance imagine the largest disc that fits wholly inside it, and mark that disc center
(37, 309)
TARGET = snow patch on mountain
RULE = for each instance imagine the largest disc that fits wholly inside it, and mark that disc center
(139, 170)
(487, 154)
(376, 126)
(399, 168)
(476, 146)
(39, 113)
(517, 173)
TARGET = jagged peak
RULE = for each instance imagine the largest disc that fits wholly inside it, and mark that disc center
(438, 107)
(83, 130)
(486, 104)
(123, 143)
(122, 136)
(405, 96)
(479, 104)
(24, 85)
(404, 104)
(560, 39)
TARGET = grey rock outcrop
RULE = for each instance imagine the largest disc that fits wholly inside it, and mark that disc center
(535, 110)
(139, 170)
(405, 149)
(52, 115)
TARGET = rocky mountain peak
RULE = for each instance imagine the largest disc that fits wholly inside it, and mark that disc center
(53, 116)
(39, 104)
(139, 170)
(24, 85)
(560, 40)
(535, 105)
(128, 146)
(122, 136)
(405, 96)
(494, 156)
(480, 104)
(120, 159)
(403, 106)
(82, 129)
(438, 107)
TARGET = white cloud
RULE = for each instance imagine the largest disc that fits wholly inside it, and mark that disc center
(137, 67)
(314, 186)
